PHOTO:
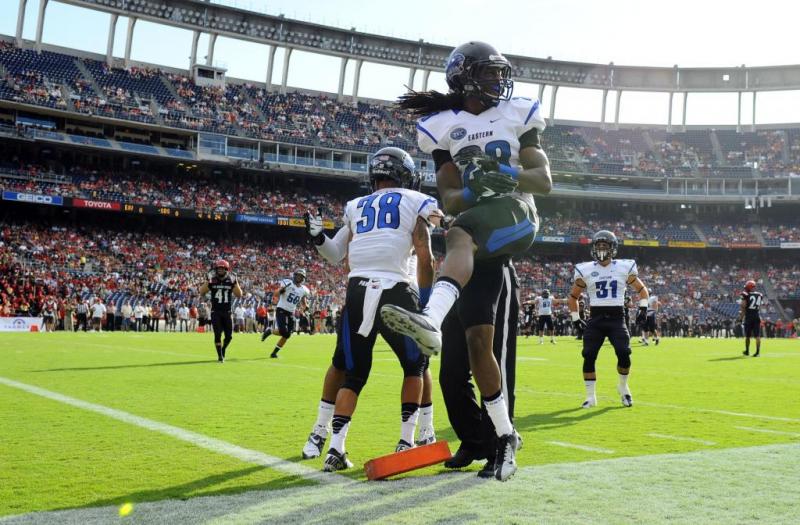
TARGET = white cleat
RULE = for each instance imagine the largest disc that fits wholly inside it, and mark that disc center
(625, 396)
(313, 447)
(505, 463)
(403, 445)
(590, 402)
(426, 436)
(414, 325)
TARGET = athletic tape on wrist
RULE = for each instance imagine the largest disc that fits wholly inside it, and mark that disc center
(508, 170)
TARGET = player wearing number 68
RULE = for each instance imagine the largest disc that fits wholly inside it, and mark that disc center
(604, 280)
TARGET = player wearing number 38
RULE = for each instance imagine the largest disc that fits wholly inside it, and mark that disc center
(605, 279)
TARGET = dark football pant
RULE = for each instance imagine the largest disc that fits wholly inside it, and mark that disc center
(545, 322)
(490, 297)
(353, 352)
(752, 327)
(600, 326)
(222, 324)
(500, 227)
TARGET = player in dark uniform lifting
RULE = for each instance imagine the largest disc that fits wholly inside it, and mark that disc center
(223, 286)
(749, 314)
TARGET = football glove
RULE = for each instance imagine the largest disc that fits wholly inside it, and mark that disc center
(482, 175)
(314, 227)
(641, 317)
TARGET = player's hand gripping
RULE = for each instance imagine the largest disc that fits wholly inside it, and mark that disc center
(314, 227)
(485, 177)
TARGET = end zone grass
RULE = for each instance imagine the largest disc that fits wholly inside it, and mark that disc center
(690, 395)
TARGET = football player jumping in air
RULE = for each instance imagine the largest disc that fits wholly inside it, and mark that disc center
(605, 280)
(379, 233)
(749, 314)
(293, 293)
(489, 162)
(223, 285)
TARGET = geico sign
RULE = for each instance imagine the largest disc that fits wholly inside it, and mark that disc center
(38, 199)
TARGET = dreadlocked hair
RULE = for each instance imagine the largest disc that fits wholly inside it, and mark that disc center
(426, 102)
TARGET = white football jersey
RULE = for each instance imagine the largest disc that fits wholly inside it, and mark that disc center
(381, 225)
(605, 285)
(292, 295)
(652, 304)
(544, 306)
(495, 132)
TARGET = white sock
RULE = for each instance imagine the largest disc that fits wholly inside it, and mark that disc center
(337, 440)
(426, 416)
(324, 416)
(498, 412)
(408, 425)
(443, 296)
(541, 339)
(590, 390)
(623, 382)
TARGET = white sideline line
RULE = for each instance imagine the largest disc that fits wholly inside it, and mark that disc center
(682, 438)
(214, 445)
(581, 447)
(527, 358)
(767, 431)
(660, 405)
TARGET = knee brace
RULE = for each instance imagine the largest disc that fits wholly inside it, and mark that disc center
(356, 384)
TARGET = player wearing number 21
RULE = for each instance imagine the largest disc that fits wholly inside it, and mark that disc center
(605, 279)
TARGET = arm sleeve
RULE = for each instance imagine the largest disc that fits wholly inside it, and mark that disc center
(440, 158)
(334, 250)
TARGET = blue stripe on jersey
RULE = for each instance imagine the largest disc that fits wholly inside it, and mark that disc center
(531, 112)
(348, 354)
(578, 270)
(425, 203)
(633, 265)
(428, 133)
(503, 236)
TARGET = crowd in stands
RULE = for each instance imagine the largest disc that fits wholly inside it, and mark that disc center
(175, 191)
(155, 96)
(66, 265)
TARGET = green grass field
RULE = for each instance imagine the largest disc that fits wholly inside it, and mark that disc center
(713, 436)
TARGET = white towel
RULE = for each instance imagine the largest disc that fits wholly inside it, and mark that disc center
(372, 297)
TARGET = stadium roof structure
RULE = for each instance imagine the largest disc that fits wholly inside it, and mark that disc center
(202, 16)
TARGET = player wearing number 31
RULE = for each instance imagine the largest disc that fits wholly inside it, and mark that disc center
(605, 280)
(223, 286)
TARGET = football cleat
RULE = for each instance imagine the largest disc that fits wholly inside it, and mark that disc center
(746, 352)
(590, 402)
(313, 447)
(264, 336)
(625, 396)
(519, 440)
(426, 436)
(335, 461)
(488, 469)
(414, 325)
(461, 459)
(756, 354)
(505, 462)
(274, 355)
(403, 445)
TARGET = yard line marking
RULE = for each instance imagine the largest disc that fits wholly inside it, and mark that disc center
(526, 358)
(581, 447)
(207, 442)
(767, 431)
(659, 405)
(682, 438)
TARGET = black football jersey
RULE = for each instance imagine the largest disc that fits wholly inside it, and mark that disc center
(753, 302)
(221, 293)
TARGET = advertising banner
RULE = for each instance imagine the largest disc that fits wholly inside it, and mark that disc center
(790, 245)
(21, 324)
(637, 242)
(97, 205)
(686, 244)
(33, 198)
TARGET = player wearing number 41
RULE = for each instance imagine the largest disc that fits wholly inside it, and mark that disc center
(489, 163)
(292, 294)
(379, 233)
(605, 280)
(223, 286)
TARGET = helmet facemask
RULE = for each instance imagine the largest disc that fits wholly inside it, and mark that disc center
(490, 81)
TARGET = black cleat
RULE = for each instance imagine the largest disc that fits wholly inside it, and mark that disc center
(746, 352)
(488, 469)
(336, 461)
(756, 354)
(264, 336)
(461, 459)
(274, 355)
(403, 445)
